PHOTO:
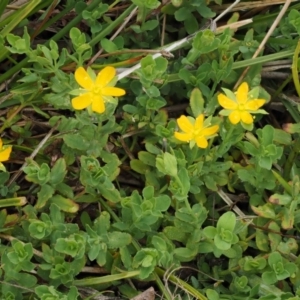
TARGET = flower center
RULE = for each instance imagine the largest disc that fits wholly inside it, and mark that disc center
(242, 107)
(96, 90)
(197, 132)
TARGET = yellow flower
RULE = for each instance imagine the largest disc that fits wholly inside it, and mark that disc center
(240, 107)
(196, 131)
(4, 152)
(95, 91)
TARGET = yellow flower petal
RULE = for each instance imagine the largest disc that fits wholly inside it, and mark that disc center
(210, 130)
(254, 104)
(184, 137)
(184, 124)
(199, 122)
(246, 117)
(105, 76)
(83, 78)
(227, 103)
(98, 104)
(82, 101)
(113, 91)
(234, 117)
(1, 143)
(5, 153)
(242, 93)
(201, 142)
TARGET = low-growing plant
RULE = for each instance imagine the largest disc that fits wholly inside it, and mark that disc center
(130, 166)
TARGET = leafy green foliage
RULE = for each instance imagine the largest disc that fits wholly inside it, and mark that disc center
(116, 195)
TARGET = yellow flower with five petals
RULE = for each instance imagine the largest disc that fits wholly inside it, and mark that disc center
(197, 130)
(239, 106)
(95, 92)
(5, 152)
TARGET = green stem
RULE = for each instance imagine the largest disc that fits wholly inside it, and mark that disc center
(226, 272)
(250, 237)
(282, 86)
(114, 4)
(291, 158)
(212, 91)
(284, 184)
(295, 69)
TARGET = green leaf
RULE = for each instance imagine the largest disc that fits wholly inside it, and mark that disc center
(274, 258)
(210, 232)
(205, 41)
(221, 244)
(138, 166)
(77, 37)
(170, 164)
(76, 141)
(109, 191)
(162, 203)
(64, 204)
(118, 239)
(58, 172)
(180, 185)
(148, 192)
(149, 25)
(212, 294)
(175, 234)
(294, 19)
(43, 174)
(108, 45)
(262, 241)
(67, 246)
(184, 254)
(153, 149)
(266, 135)
(65, 190)
(269, 277)
(147, 158)
(161, 65)
(196, 102)
(191, 24)
(126, 257)
(265, 162)
(266, 211)
(39, 229)
(148, 67)
(205, 11)
(182, 13)
(159, 243)
(227, 221)
(18, 45)
(44, 195)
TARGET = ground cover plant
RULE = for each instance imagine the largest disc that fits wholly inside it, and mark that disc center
(149, 146)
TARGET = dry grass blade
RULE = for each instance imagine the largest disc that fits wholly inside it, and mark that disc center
(249, 5)
(149, 294)
(264, 41)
